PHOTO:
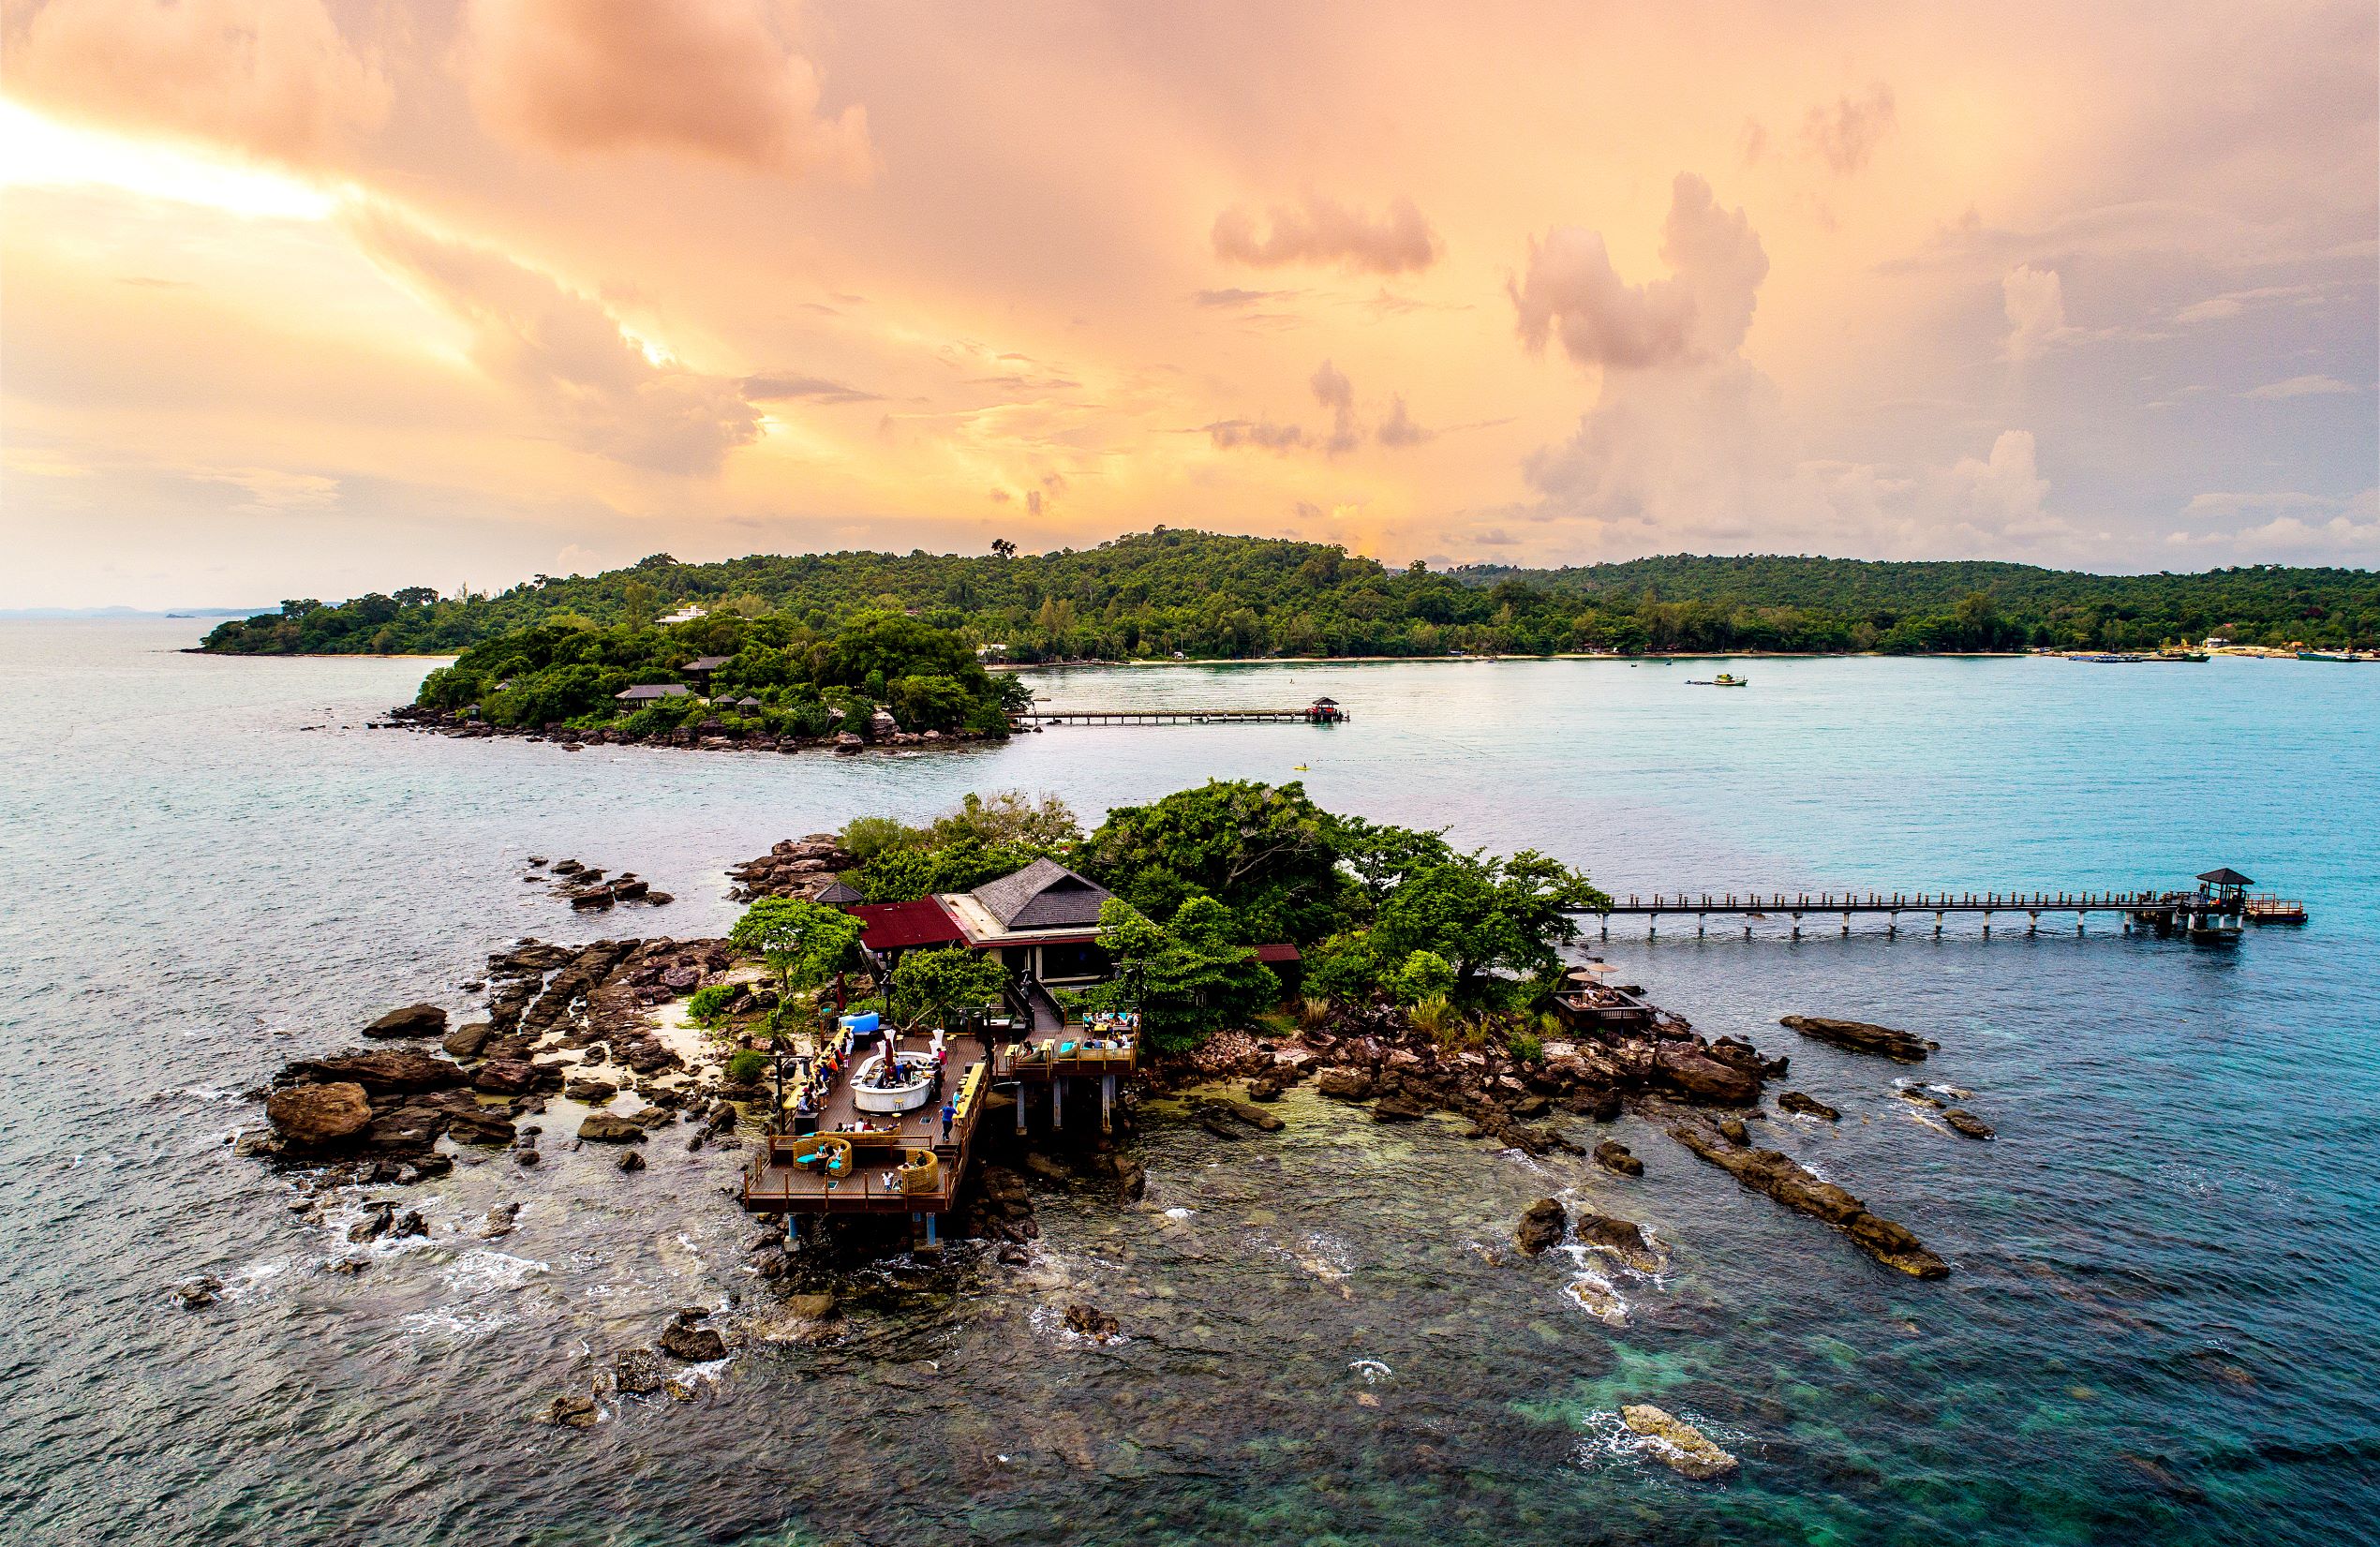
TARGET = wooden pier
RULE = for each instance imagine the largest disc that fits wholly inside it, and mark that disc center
(1322, 711)
(2215, 911)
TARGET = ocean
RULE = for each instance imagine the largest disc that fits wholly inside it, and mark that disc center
(2162, 1323)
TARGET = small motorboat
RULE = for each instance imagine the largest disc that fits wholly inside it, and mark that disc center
(1724, 680)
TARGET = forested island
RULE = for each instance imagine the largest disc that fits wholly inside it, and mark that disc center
(1161, 594)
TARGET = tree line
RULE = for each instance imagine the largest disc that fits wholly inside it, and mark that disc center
(1203, 595)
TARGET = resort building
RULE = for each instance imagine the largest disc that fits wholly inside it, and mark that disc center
(1043, 921)
(647, 692)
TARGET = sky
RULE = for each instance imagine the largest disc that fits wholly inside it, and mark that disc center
(316, 297)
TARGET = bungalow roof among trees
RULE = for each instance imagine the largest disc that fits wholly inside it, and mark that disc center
(646, 692)
(1045, 895)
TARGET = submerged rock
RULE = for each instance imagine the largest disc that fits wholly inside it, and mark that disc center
(1794, 1101)
(1967, 1122)
(693, 1343)
(1623, 1238)
(1255, 1117)
(412, 1021)
(497, 1221)
(1792, 1184)
(1677, 1444)
(197, 1294)
(1616, 1158)
(572, 1411)
(630, 1160)
(382, 1071)
(1094, 1323)
(639, 1371)
(1542, 1225)
(1344, 1084)
(1706, 1079)
(1396, 1108)
(319, 1114)
(1861, 1036)
(609, 1128)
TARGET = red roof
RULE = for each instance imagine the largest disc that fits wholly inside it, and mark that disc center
(897, 926)
(1276, 953)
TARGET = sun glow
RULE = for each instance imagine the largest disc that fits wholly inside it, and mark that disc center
(38, 151)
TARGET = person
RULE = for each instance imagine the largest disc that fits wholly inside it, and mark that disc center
(949, 1116)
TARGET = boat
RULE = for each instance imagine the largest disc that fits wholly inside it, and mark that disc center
(2183, 655)
(2109, 660)
(1724, 680)
(2358, 657)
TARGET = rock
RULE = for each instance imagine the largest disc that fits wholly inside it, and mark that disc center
(1092, 1322)
(412, 1021)
(381, 1071)
(1391, 1109)
(1702, 1079)
(1967, 1122)
(682, 979)
(591, 901)
(1344, 1084)
(317, 1115)
(811, 1307)
(1623, 1238)
(1792, 1184)
(197, 1294)
(477, 1124)
(567, 867)
(572, 1411)
(1735, 1131)
(505, 1076)
(1255, 1117)
(594, 1092)
(693, 1343)
(374, 1225)
(1542, 1225)
(659, 900)
(639, 1371)
(497, 1221)
(1861, 1036)
(1614, 1156)
(608, 1128)
(1047, 1170)
(465, 1041)
(630, 1160)
(526, 1156)
(409, 1223)
(1264, 1088)
(1677, 1444)
(1917, 1097)
(1606, 1107)
(1794, 1101)
(1132, 1178)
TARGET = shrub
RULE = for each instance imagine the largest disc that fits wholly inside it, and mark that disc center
(747, 1066)
(1526, 1046)
(1314, 1013)
(709, 1005)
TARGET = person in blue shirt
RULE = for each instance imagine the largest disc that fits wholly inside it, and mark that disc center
(949, 1115)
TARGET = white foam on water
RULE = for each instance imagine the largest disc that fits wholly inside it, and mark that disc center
(1594, 1294)
(482, 1269)
(1371, 1370)
(1178, 1213)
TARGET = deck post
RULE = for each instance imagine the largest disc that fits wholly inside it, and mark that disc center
(1986, 923)
(1607, 926)
(1106, 1099)
(2033, 928)
(1020, 1108)
(1057, 1100)
(1847, 924)
(1797, 925)
(1892, 927)
(1938, 923)
(930, 1238)
(1701, 925)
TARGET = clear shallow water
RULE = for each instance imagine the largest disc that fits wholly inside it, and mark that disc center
(2161, 1326)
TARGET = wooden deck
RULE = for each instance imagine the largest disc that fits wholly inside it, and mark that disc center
(773, 1184)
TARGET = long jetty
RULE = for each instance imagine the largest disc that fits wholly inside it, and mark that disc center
(2212, 911)
(1321, 712)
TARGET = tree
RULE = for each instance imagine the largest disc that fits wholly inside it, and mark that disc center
(945, 984)
(1187, 978)
(1266, 853)
(803, 942)
(1003, 548)
(1484, 914)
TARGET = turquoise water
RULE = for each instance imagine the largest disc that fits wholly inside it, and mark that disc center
(2160, 1324)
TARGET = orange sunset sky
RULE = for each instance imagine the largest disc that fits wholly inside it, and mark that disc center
(312, 297)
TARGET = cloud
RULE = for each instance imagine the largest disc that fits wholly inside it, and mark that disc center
(1334, 392)
(2034, 301)
(1261, 433)
(2217, 308)
(1322, 230)
(2300, 386)
(712, 77)
(565, 355)
(1494, 536)
(270, 490)
(1234, 298)
(1398, 429)
(1703, 310)
(1846, 134)
(2308, 526)
(772, 388)
(276, 78)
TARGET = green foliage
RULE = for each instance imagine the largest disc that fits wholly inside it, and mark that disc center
(1152, 594)
(1485, 915)
(902, 875)
(708, 1006)
(803, 942)
(745, 1067)
(940, 986)
(1421, 976)
(1265, 852)
(1526, 1046)
(1187, 978)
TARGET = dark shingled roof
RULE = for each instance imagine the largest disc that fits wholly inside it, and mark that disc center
(2227, 877)
(707, 662)
(644, 691)
(841, 894)
(1045, 895)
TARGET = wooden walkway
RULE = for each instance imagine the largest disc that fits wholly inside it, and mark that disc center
(2198, 914)
(1308, 716)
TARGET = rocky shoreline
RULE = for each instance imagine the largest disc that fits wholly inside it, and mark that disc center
(708, 736)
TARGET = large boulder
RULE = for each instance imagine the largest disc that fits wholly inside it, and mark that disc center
(506, 1077)
(1344, 1084)
(1617, 1158)
(1542, 1225)
(1967, 1122)
(694, 1345)
(1622, 1238)
(1803, 1105)
(608, 1128)
(381, 1071)
(412, 1021)
(1677, 1444)
(1861, 1036)
(465, 1041)
(319, 1114)
(1700, 1078)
